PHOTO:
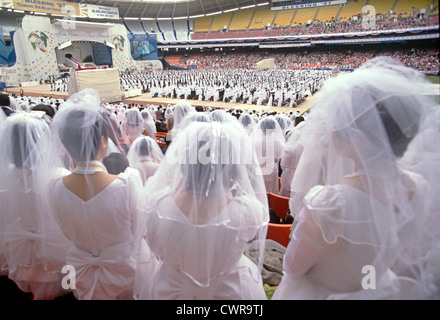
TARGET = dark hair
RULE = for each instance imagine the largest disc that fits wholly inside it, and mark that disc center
(115, 163)
(298, 120)
(73, 133)
(268, 124)
(197, 176)
(46, 108)
(398, 140)
(245, 119)
(22, 143)
(144, 147)
(4, 100)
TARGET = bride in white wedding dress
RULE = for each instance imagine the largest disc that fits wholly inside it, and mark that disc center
(361, 212)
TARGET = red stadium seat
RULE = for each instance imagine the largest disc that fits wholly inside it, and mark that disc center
(161, 135)
(279, 233)
(278, 204)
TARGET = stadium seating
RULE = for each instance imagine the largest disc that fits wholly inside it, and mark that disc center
(241, 19)
(327, 14)
(307, 14)
(381, 7)
(262, 17)
(220, 21)
(203, 24)
(407, 7)
(283, 18)
(351, 9)
(279, 233)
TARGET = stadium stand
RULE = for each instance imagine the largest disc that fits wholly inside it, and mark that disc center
(351, 9)
(307, 14)
(283, 19)
(220, 21)
(327, 14)
(241, 19)
(409, 7)
(134, 26)
(203, 24)
(262, 17)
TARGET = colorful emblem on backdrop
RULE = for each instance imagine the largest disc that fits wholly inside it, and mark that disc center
(119, 41)
(38, 40)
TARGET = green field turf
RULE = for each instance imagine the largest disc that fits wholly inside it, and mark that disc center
(433, 79)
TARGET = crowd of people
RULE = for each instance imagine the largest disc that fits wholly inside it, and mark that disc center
(269, 87)
(186, 217)
(423, 59)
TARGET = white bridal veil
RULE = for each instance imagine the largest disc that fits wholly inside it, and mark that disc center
(206, 204)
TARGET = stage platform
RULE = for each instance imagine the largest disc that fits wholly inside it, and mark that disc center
(145, 99)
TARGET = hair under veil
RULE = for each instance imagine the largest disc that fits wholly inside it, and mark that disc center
(180, 110)
(32, 244)
(145, 155)
(359, 126)
(205, 205)
(97, 211)
(269, 143)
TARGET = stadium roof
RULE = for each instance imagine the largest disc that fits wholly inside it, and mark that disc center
(162, 9)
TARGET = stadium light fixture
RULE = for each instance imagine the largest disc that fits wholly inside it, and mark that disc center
(167, 1)
(230, 10)
(248, 7)
(214, 13)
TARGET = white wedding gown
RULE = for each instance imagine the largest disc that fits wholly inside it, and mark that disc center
(334, 240)
(108, 255)
(205, 261)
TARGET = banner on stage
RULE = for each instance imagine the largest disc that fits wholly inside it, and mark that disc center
(102, 12)
(63, 8)
(285, 5)
(47, 6)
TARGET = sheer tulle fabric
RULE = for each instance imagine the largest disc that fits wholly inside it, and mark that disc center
(148, 124)
(101, 218)
(193, 117)
(290, 159)
(221, 116)
(133, 125)
(248, 122)
(355, 206)
(205, 205)
(32, 247)
(268, 141)
(180, 110)
(423, 156)
(145, 155)
(284, 123)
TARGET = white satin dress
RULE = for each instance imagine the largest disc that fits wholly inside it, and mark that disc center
(108, 255)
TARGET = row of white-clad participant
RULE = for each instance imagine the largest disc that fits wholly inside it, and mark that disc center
(93, 223)
(363, 192)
